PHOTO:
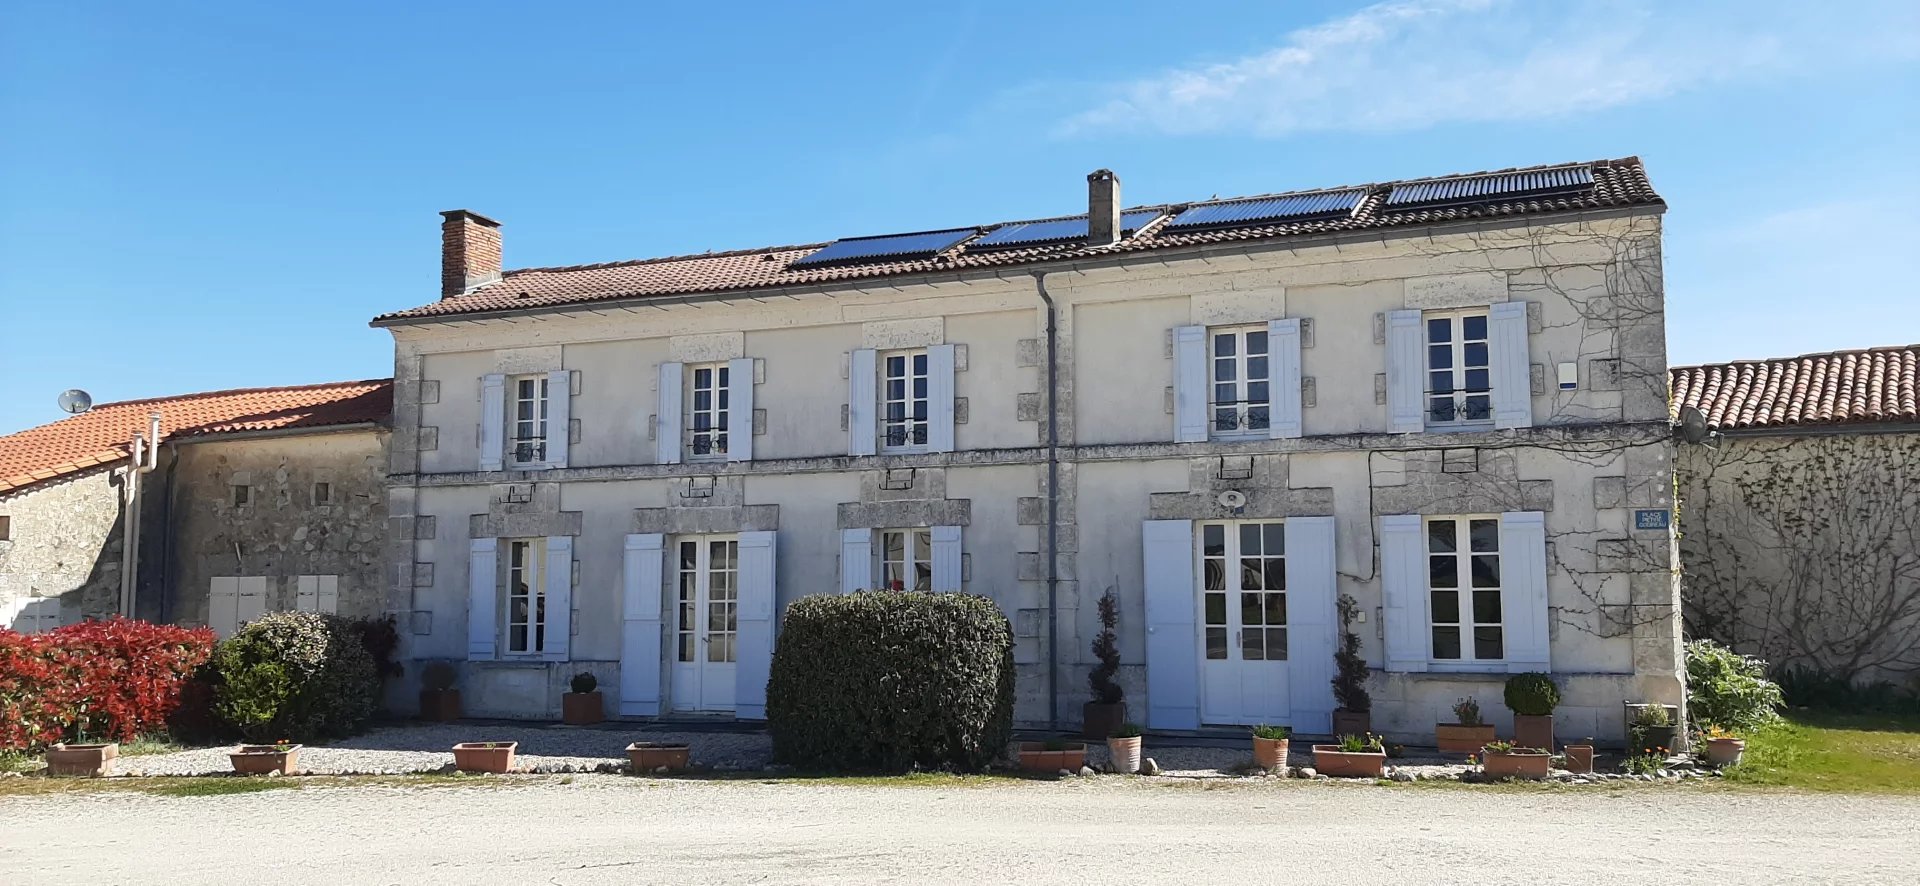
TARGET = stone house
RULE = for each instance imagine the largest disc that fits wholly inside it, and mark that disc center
(258, 500)
(1446, 398)
(1800, 516)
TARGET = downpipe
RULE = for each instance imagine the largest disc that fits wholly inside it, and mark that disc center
(1053, 505)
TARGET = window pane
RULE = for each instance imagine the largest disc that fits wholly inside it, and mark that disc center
(1225, 370)
(1256, 367)
(1477, 381)
(1224, 345)
(1446, 607)
(1273, 538)
(1476, 354)
(517, 610)
(1251, 642)
(1440, 382)
(1249, 539)
(919, 388)
(1216, 575)
(518, 639)
(1442, 410)
(894, 544)
(1226, 419)
(1443, 571)
(1486, 607)
(922, 576)
(1439, 330)
(1440, 536)
(686, 616)
(1250, 611)
(1213, 539)
(1216, 609)
(1224, 393)
(919, 364)
(1440, 358)
(1477, 407)
(1256, 342)
(702, 400)
(1487, 643)
(1276, 574)
(1217, 643)
(703, 378)
(716, 650)
(1250, 578)
(1484, 535)
(686, 647)
(1446, 643)
(1257, 390)
(1473, 328)
(1486, 570)
(1276, 609)
(1276, 644)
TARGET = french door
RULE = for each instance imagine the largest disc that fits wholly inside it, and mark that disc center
(705, 622)
(1242, 600)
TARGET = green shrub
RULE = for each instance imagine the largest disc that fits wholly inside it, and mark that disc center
(1271, 733)
(884, 680)
(1729, 690)
(1807, 687)
(1532, 694)
(295, 675)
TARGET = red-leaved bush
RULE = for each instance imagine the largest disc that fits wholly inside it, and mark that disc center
(97, 680)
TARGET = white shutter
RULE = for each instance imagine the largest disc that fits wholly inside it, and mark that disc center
(1173, 646)
(1403, 583)
(306, 594)
(740, 409)
(754, 637)
(1523, 590)
(856, 560)
(1406, 373)
(253, 598)
(1511, 368)
(1311, 624)
(640, 652)
(863, 434)
(559, 416)
(483, 563)
(327, 594)
(43, 614)
(559, 620)
(223, 606)
(493, 421)
(1190, 385)
(946, 558)
(667, 418)
(1283, 379)
(940, 394)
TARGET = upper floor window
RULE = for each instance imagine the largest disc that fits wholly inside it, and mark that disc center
(708, 411)
(906, 559)
(528, 443)
(527, 596)
(1463, 583)
(903, 400)
(1459, 378)
(1238, 373)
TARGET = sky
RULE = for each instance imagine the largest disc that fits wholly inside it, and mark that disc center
(202, 196)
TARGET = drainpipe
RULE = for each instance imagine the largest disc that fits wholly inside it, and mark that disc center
(144, 452)
(1053, 506)
(167, 588)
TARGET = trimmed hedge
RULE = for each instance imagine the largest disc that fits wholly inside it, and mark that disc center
(296, 676)
(892, 681)
(94, 681)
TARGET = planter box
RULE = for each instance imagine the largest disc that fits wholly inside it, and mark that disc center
(1125, 753)
(440, 705)
(646, 756)
(1330, 760)
(1352, 723)
(1097, 721)
(1513, 764)
(1530, 731)
(260, 759)
(91, 760)
(1034, 757)
(1453, 738)
(1653, 738)
(1580, 758)
(484, 756)
(1269, 753)
(582, 708)
(1725, 751)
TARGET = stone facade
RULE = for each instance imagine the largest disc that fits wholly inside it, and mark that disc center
(62, 558)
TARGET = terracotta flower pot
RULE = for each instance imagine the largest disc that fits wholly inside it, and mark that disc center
(1516, 764)
(92, 760)
(647, 756)
(1330, 760)
(1034, 757)
(1531, 731)
(1125, 753)
(1725, 751)
(1097, 721)
(1579, 758)
(1352, 722)
(1453, 738)
(484, 756)
(1269, 753)
(440, 705)
(582, 708)
(260, 759)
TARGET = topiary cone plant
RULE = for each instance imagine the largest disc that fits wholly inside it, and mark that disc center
(1350, 677)
(1108, 709)
(1532, 698)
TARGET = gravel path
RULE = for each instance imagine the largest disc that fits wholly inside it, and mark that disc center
(594, 829)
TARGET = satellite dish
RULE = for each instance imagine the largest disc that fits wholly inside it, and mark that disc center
(75, 401)
(1233, 498)
(1693, 425)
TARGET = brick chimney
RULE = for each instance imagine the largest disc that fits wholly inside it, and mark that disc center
(1103, 208)
(469, 252)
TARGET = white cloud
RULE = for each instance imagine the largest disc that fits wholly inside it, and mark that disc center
(1417, 63)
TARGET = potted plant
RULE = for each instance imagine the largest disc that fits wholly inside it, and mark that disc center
(439, 701)
(78, 758)
(1124, 747)
(1052, 755)
(1503, 759)
(1357, 756)
(1532, 698)
(484, 756)
(1270, 746)
(1650, 729)
(1723, 747)
(282, 756)
(1580, 756)
(1108, 709)
(1350, 677)
(1468, 733)
(582, 706)
(652, 756)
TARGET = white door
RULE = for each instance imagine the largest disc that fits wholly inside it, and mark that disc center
(706, 618)
(1243, 623)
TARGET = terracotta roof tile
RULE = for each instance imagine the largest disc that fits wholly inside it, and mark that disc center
(1878, 385)
(101, 435)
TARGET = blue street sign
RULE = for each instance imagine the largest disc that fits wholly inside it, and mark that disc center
(1652, 518)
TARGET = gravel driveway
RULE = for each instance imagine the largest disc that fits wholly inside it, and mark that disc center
(610, 829)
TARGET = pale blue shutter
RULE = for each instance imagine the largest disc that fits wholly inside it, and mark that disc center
(856, 560)
(493, 421)
(640, 653)
(1190, 384)
(740, 409)
(1511, 368)
(1403, 583)
(946, 558)
(1283, 378)
(1523, 591)
(667, 414)
(940, 394)
(559, 416)
(223, 606)
(1311, 625)
(482, 563)
(754, 637)
(1173, 644)
(1406, 373)
(862, 433)
(559, 615)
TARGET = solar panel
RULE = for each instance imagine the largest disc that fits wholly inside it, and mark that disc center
(891, 247)
(1056, 230)
(1286, 207)
(1483, 188)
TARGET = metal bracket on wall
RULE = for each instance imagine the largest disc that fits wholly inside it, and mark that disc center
(517, 495)
(698, 487)
(1235, 467)
(897, 479)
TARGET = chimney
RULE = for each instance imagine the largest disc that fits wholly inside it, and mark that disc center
(1103, 208)
(469, 252)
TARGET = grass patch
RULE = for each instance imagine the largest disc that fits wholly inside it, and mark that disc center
(214, 787)
(1821, 751)
(150, 744)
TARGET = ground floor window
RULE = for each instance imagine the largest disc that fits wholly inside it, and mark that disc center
(527, 596)
(1463, 586)
(1244, 591)
(906, 559)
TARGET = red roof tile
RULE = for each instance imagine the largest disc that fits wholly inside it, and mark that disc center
(1617, 183)
(101, 436)
(1879, 385)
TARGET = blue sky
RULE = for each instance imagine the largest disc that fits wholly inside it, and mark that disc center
(221, 195)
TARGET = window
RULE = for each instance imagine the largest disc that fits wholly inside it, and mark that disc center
(906, 559)
(527, 444)
(709, 576)
(322, 493)
(6, 528)
(527, 596)
(1238, 372)
(903, 400)
(1459, 380)
(1463, 581)
(241, 494)
(707, 417)
(1244, 565)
